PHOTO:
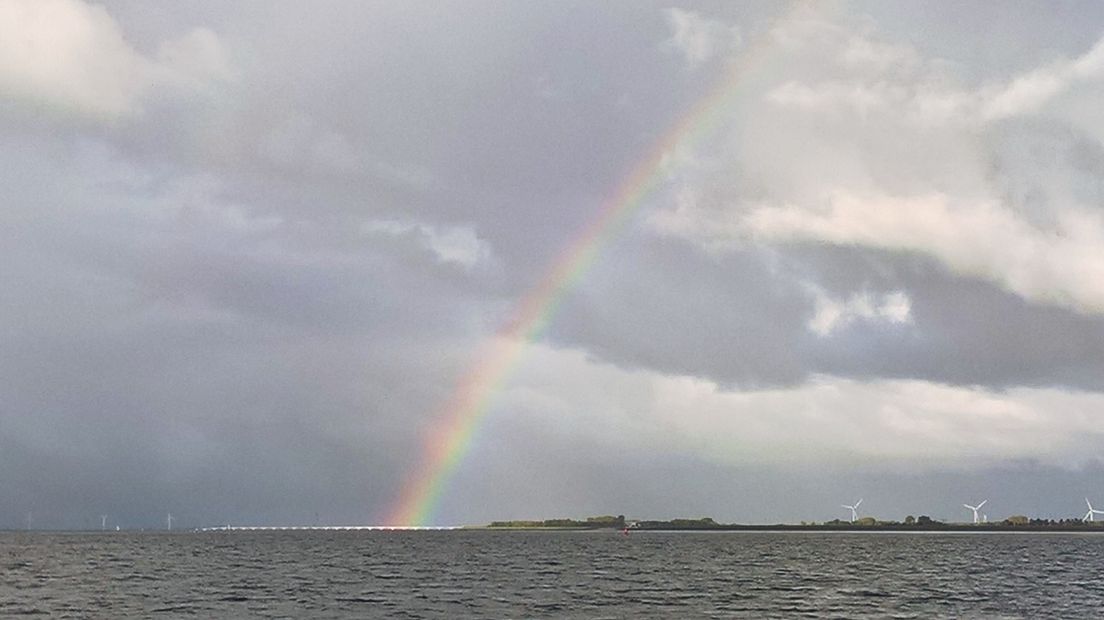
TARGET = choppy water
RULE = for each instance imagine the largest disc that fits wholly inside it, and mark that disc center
(551, 574)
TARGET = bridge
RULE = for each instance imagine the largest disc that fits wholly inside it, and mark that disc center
(337, 528)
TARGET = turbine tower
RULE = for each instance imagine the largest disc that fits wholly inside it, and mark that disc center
(975, 509)
(169, 519)
(854, 514)
(103, 522)
(1092, 511)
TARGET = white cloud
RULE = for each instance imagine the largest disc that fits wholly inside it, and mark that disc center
(458, 245)
(864, 53)
(688, 218)
(197, 58)
(1031, 91)
(831, 315)
(72, 57)
(858, 143)
(801, 95)
(699, 39)
(893, 78)
(829, 421)
(1061, 266)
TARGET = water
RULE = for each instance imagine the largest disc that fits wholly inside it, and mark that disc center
(525, 574)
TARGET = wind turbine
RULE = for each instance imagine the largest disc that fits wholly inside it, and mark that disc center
(169, 519)
(854, 515)
(975, 509)
(103, 522)
(1092, 511)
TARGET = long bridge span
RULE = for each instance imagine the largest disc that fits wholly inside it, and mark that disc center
(341, 528)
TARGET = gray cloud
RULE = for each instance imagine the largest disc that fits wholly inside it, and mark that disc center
(248, 249)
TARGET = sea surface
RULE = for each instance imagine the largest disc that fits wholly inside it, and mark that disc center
(551, 574)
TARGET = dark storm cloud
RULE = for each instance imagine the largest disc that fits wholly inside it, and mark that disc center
(730, 321)
(966, 332)
(736, 322)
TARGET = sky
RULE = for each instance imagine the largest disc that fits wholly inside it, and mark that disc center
(248, 250)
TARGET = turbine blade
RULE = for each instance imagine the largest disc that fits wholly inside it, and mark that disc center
(858, 502)
(1088, 503)
(970, 507)
(982, 503)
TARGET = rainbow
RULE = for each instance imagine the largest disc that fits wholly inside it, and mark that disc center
(449, 441)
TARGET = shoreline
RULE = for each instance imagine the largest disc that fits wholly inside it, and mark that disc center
(950, 528)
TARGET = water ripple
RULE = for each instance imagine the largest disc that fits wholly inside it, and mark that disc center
(550, 575)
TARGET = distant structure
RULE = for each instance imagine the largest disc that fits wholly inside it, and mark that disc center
(1092, 511)
(341, 528)
(103, 522)
(169, 520)
(975, 509)
(854, 512)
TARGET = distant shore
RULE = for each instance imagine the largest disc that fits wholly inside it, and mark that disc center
(782, 527)
(868, 524)
(956, 527)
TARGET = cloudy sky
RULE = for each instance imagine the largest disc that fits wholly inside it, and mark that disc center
(248, 249)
